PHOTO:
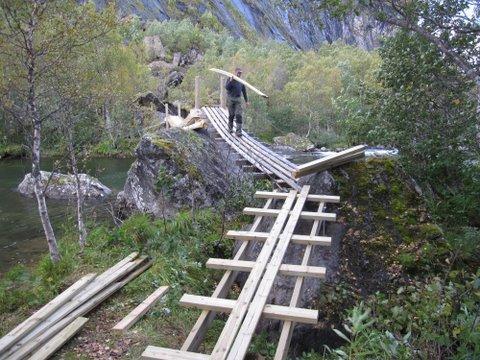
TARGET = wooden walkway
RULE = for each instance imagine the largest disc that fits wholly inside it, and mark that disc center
(261, 157)
(282, 171)
(251, 304)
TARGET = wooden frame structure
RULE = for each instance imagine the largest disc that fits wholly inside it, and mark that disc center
(251, 305)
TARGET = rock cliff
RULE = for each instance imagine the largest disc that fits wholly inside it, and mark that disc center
(300, 23)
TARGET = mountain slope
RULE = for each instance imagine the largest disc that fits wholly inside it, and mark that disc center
(299, 23)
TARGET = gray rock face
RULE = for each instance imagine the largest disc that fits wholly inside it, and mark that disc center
(294, 141)
(63, 187)
(174, 169)
(299, 23)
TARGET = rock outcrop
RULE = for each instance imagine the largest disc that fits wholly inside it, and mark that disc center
(64, 187)
(175, 169)
(301, 24)
(294, 141)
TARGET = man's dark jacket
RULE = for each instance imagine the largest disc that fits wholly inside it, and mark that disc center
(236, 89)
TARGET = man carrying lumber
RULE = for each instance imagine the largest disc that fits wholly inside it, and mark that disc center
(235, 90)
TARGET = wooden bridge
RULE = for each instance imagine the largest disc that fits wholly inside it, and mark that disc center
(251, 304)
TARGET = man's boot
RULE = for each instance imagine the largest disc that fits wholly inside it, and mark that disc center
(230, 123)
(239, 126)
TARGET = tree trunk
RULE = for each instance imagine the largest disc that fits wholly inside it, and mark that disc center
(108, 122)
(37, 128)
(82, 230)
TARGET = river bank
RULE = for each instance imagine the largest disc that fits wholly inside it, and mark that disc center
(21, 234)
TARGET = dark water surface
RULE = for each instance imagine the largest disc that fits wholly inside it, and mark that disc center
(21, 233)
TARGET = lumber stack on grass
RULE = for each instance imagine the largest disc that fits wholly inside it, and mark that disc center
(329, 161)
(50, 327)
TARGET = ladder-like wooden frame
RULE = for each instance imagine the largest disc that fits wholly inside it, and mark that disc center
(251, 305)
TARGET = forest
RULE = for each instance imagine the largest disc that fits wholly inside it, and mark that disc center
(73, 79)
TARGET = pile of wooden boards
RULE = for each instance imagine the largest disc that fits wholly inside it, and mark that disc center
(49, 328)
(330, 161)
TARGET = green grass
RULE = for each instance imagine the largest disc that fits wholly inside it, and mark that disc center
(178, 248)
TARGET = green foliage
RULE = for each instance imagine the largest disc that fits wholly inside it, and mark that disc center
(296, 102)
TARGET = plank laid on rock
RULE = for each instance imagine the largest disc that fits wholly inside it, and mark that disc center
(288, 326)
(262, 236)
(285, 269)
(141, 309)
(274, 312)
(59, 340)
(307, 215)
(283, 195)
(329, 161)
(21, 330)
(239, 347)
(234, 322)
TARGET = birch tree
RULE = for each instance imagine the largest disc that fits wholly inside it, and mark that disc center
(36, 38)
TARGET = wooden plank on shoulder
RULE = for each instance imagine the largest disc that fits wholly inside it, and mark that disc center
(55, 343)
(240, 80)
(141, 309)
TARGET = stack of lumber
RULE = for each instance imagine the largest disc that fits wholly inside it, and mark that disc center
(49, 328)
(195, 120)
(330, 161)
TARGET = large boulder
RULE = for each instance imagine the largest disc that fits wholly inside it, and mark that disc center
(64, 187)
(154, 48)
(175, 169)
(294, 141)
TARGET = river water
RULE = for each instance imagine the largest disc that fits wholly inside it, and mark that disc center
(21, 233)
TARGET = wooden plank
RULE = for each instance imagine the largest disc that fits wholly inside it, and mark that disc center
(285, 269)
(240, 80)
(255, 149)
(59, 340)
(241, 343)
(282, 195)
(141, 309)
(288, 326)
(306, 215)
(247, 141)
(274, 312)
(196, 335)
(327, 161)
(227, 264)
(254, 143)
(22, 329)
(80, 306)
(233, 144)
(250, 152)
(262, 236)
(154, 352)
(235, 319)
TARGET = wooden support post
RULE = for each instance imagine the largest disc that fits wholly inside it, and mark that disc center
(179, 108)
(223, 98)
(166, 116)
(197, 92)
